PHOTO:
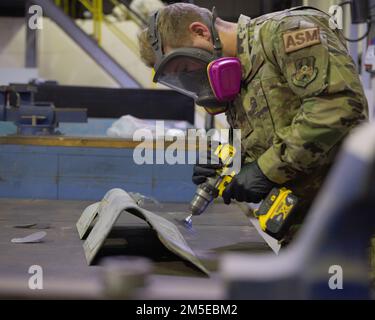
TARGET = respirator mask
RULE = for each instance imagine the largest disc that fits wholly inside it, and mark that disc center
(211, 80)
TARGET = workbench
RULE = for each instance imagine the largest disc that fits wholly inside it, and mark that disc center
(66, 274)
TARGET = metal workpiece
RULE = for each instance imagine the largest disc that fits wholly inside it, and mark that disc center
(87, 217)
(116, 202)
(144, 201)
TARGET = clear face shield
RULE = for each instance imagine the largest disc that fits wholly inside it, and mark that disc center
(185, 70)
(211, 81)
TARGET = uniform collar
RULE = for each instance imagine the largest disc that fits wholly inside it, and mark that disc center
(245, 37)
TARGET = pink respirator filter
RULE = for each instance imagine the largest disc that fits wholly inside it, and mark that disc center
(225, 78)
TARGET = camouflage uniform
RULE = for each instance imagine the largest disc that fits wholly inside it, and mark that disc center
(301, 95)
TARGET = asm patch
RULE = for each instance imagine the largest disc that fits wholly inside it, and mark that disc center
(305, 72)
(299, 39)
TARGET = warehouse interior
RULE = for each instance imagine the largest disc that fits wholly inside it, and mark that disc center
(81, 218)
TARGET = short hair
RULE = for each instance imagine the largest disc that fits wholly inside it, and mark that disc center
(173, 26)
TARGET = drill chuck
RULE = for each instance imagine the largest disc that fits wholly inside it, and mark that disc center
(204, 195)
(214, 186)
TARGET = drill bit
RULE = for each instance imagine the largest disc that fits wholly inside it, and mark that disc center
(188, 221)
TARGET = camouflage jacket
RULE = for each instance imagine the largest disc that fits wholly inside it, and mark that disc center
(300, 97)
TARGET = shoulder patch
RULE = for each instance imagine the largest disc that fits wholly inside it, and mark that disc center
(305, 73)
(296, 40)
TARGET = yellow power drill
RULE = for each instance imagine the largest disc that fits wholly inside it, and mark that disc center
(274, 213)
(214, 186)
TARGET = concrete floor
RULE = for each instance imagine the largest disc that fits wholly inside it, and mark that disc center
(220, 229)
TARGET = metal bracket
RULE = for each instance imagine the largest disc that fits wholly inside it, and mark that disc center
(116, 202)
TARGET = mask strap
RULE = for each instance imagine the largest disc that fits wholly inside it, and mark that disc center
(155, 38)
(215, 35)
(154, 35)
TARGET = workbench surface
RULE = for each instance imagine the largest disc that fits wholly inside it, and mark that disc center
(220, 229)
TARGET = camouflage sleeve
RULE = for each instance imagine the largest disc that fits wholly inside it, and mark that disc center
(319, 70)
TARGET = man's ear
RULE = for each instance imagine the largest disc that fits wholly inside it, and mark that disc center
(200, 29)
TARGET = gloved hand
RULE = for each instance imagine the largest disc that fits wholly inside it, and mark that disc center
(249, 185)
(202, 171)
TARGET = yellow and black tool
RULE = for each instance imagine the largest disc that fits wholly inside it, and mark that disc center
(276, 212)
(214, 186)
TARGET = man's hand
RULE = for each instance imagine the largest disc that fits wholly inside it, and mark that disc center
(249, 185)
(202, 171)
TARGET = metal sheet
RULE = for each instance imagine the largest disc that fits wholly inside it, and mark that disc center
(87, 218)
(249, 208)
(114, 203)
(32, 238)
